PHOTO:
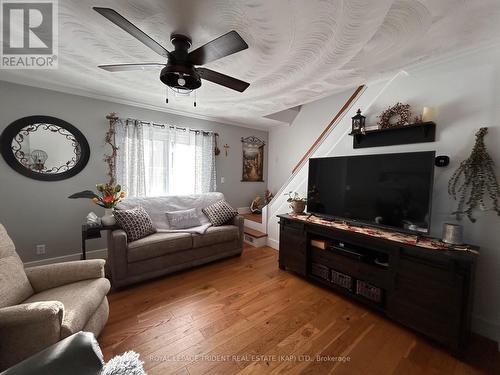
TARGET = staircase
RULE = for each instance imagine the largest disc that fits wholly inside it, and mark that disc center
(331, 142)
(256, 228)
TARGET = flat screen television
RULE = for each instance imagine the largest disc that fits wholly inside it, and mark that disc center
(386, 190)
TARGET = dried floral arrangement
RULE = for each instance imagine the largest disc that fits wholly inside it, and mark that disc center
(399, 109)
(109, 139)
(475, 180)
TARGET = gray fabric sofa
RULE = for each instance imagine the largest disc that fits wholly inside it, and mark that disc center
(165, 252)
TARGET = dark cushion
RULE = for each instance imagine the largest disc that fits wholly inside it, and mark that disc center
(216, 235)
(220, 213)
(158, 244)
(135, 222)
(78, 354)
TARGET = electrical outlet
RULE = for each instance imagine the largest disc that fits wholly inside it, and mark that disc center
(40, 249)
(222, 180)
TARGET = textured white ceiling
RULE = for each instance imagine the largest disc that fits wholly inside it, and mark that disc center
(299, 50)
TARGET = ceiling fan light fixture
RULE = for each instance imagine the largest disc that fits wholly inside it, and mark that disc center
(180, 77)
(180, 92)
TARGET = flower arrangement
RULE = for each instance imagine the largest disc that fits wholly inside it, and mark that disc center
(110, 195)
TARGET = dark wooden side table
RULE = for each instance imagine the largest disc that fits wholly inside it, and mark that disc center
(90, 232)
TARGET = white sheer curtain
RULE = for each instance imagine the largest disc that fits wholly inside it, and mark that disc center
(157, 160)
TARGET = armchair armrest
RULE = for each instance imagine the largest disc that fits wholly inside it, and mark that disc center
(28, 328)
(54, 275)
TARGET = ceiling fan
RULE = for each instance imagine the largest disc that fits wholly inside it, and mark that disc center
(179, 71)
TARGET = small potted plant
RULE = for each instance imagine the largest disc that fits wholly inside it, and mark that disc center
(297, 204)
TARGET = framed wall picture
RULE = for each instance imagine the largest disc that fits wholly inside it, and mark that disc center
(253, 159)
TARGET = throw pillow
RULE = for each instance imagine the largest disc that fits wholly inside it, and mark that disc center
(135, 222)
(220, 213)
(183, 219)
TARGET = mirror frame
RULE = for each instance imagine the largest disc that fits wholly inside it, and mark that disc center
(13, 129)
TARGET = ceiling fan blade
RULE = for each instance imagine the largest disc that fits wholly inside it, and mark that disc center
(224, 45)
(133, 30)
(130, 67)
(222, 79)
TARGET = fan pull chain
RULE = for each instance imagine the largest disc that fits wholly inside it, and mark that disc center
(166, 100)
(195, 98)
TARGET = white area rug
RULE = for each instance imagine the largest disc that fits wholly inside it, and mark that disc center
(127, 363)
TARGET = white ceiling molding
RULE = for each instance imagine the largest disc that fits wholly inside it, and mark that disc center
(299, 50)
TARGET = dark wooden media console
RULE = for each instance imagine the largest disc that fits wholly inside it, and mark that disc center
(425, 289)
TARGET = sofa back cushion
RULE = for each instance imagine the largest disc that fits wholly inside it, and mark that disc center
(14, 285)
(156, 207)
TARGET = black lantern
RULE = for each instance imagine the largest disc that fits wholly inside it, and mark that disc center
(358, 123)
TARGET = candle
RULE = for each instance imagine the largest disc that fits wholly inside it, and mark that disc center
(428, 114)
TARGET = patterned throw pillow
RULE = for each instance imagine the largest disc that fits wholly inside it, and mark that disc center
(183, 219)
(135, 222)
(219, 213)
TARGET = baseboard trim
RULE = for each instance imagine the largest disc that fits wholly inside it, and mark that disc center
(486, 328)
(93, 254)
(273, 243)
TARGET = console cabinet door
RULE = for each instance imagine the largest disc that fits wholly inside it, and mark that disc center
(292, 254)
(428, 298)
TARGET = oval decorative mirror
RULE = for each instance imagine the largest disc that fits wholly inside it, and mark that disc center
(44, 148)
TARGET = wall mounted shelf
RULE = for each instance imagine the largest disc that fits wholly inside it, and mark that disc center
(397, 135)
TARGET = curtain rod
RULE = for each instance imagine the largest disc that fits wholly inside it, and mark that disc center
(170, 126)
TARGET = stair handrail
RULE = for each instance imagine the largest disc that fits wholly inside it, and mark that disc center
(332, 125)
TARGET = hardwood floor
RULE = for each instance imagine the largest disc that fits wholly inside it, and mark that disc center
(246, 316)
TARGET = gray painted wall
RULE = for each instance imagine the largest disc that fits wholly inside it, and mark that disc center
(39, 212)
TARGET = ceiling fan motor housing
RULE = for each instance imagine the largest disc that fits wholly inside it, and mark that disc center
(171, 74)
(179, 73)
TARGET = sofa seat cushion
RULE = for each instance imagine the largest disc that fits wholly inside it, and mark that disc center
(215, 235)
(158, 244)
(80, 300)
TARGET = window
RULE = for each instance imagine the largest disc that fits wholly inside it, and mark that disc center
(161, 160)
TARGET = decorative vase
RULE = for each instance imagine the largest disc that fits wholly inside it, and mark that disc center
(298, 207)
(452, 234)
(108, 219)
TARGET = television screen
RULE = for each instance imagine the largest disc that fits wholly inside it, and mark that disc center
(392, 190)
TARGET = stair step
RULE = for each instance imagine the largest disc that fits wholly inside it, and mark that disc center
(254, 233)
(253, 217)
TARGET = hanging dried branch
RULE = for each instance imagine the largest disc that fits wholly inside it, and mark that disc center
(475, 180)
(110, 140)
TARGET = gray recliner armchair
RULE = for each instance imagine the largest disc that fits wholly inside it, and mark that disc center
(40, 306)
